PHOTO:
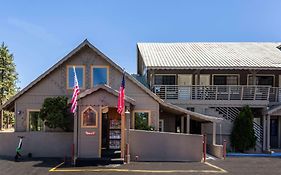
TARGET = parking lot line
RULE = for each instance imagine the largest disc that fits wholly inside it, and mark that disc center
(57, 169)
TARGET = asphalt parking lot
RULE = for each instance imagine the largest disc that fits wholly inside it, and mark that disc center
(231, 165)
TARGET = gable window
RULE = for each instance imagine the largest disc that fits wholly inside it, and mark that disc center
(89, 117)
(141, 120)
(99, 75)
(80, 73)
(165, 80)
(35, 122)
(226, 80)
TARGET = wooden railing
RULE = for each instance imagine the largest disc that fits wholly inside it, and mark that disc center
(218, 92)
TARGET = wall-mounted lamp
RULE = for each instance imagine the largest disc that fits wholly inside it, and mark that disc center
(127, 111)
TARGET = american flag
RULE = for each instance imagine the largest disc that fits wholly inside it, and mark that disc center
(121, 97)
(75, 93)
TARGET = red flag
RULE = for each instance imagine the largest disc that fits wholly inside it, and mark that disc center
(75, 93)
(121, 97)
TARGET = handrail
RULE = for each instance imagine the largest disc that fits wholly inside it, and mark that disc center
(218, 92)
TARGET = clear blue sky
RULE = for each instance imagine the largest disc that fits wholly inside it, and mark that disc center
(40, 33)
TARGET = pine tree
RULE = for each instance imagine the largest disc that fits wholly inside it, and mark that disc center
(8, 78)
(243, 135)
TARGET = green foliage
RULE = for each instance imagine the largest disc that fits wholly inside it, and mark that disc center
(8, 79)
(141, 121)
(56, 114)
(8, 75)
(243, 135)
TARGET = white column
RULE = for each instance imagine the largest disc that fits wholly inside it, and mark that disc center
(187, 124)
(264, 132)
(182, 124)
(214, 133)
(268, 132)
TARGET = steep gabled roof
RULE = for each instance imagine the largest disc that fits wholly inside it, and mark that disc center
(216, 55)
(130, 77)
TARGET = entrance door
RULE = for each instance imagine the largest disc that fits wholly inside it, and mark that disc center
(184, 82)
(111, 134)
(274, 133)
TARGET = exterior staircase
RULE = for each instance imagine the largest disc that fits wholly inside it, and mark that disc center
(230, 113)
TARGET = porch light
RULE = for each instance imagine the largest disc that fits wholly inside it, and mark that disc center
(127, 111)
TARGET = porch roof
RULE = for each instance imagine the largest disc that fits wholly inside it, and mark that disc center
(275, 110)
(106, 88)
(194, 115)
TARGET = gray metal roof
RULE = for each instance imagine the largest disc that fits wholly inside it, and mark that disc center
(217, 55)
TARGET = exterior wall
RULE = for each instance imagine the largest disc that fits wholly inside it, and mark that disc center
(169, 122)
(165, 146)
(55, 85)
(215, 150)
(40, 144)
(89, 145)
(242, 73)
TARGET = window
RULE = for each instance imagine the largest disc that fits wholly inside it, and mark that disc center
(161, 125)
(141, 120)
(165, 79)
(80, 73)
(266, 80)
(89, 117)
(99, 75)
(226, 80)
(35, 123)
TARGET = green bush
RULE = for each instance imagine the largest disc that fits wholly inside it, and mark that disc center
(55, 113)
(243, 135)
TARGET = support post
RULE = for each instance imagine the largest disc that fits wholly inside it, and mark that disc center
(268, 132)
(182, 124)
(254, 77)
(224, 149)
(127, 148)
(204, 147)
(264, 132)
(198, 77)
(214, 133)
(187, 124)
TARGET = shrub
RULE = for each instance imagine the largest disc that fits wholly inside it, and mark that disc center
(243, 135)
(55, 113)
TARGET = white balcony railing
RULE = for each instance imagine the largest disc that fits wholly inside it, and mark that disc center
(218, 92)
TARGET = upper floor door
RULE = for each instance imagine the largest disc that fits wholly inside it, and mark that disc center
(185, 79)
(185, 83)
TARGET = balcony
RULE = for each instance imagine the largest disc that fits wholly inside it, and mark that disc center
(264, 94)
